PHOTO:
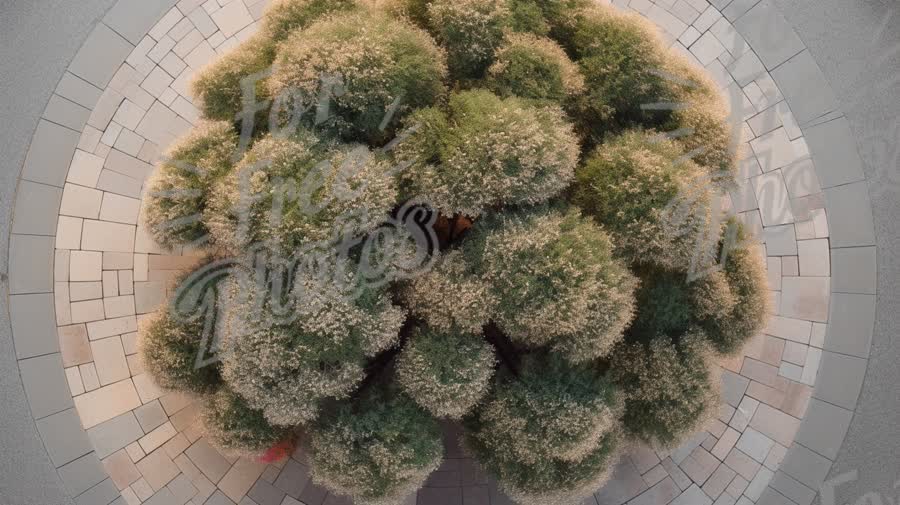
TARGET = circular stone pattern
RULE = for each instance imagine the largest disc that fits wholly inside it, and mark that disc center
(110, 277)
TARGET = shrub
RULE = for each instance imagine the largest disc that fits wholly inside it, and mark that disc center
(377, 450)
(665, 304)
(287, 366)
(180, 188)
(169, 347)
(647, 196)
(526, 16)
(548, 432)
(446, 373)
(232, 426)
(669, 387)
(284, 17)
(491, 152)
(620, 57)
(470, 31)
(217, 88)
(293, 192)
(555, 281)
(744, 283)
(449, 296)
(533, 67)
(378, 59)
(416, 11)
(704, 115)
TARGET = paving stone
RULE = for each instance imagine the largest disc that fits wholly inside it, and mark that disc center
(664, 492)
(121, 469)
(624, 484)
(30, 264)
(147, 389)
(806, 466)
(218, 498)
(107, 402)
(805, 87)
(50, 153)
(36, 209)
(63, 437)
(810, 369)
(87, 311)
(775, 424)
(754, 444)
(840, 379)
(725, 444)
(66, 112)
(733, 387)
(119, 184)
(715, 485)
(79, 201)
(133, 18)
(100, 56)
(293, 479)
(105, 236)
(158, 469)
(851, 324)
(109, 327)
(232, 18)
(33, 332)
(801, 178)
(85, 266)
(78, 90)
(854, 270)
(774, 201)
(46, 386)
(794, 491)
(89, 376)
(82, 474)
(765, 394)
(150, 416)
(805, 298)
(835, 153)
(824, 428)
(210, 462)
(780, 240)
(103, 493)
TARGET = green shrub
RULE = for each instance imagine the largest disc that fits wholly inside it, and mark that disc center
(284, 17)
(377, 450)
(286, 367)
(548, 433)
(665, 304)
(620, 57)
(416, 11)
(470, 31)
(704, 116)
(562, 17)
(169, 347)
(380, 60)
(232, 426)
(217, 87)
(491, 152)
(449, 296)
(293, 192)
(533, 67)
(670, 389)
(526, 16)
(655, 204)
(179, 190)
(555, 281)
(743, 281)
(446, 373)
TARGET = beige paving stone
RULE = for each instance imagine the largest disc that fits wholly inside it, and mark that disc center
(118, 261)
(744, 413)
(775, 424)
(790, 266)
(176, 445)
(110, 284)
(158, 469)
(238, 481)
(758, 484)
(182, 489)
(130, 497)
(73, 378)
(208, 460)
(806, 298)
(654, 475)
(61, 303)
(105, 236)
(83, 312)
(817, 336)
(125, 279)
(743, 464)
(135, 452)
(774, 200)
(790, 371)
(796, 399)
(754, 444)
(811, 367)
(146, 388)
(725, 443)
(774, 150)
(80, 291)
(185, 417)
(795, 352)
(141, 262)
(766, 394)
(61, 265)
(797, 330)
(232, 18)
(121, 469)
(119, 184)
(85, 266)
(110, 327)
(149, 296)
(119, 306)
(156, 438)
(814, 257)
(68, 233)
(135, 365)
(142, 489)
(120, 209)
(129, 342)
(79, 201)
(718, 481)
(89, 376)
(175, 401)
(738, 485)
(776, 456)
(107, 403)
(109, 359)
(772, 351)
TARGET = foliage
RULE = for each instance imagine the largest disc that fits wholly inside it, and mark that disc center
(169, 347)
(555, 281)
(470, 31)
(293, 192)
(284, 17)
(180, 188)
(374, 61)
(548, 432)
(534, 67)
(446, 373)
(377, 450)
(485, 152)
(285, 361)
(234, 427)
(654, 203)
(670, 389)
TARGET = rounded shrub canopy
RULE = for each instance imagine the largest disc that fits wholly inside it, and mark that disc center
(485, 152)
(470, 31)
(291, 192)
(554, 280)
(233, 426)
(377, 450)
(180, 188)
(654, 203)
(548, 432)
(534, 67)
(449, 296)
(286, 366)
(284, 17)
(169, 347)
(446, 373)
(669, 387)
(381, 69)
(218, 88)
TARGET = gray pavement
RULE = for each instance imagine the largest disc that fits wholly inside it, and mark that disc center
(857, 45)
(37, 41)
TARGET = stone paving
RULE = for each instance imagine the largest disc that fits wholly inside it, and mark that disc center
(115, 437)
